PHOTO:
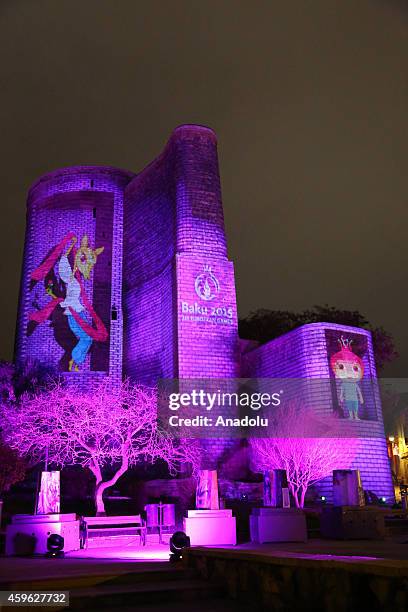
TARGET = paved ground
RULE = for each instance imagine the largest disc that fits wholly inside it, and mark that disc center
(39, 568)
(119, 586)
(322, 576)
(391, 548)
(119, 580)
(124, 559)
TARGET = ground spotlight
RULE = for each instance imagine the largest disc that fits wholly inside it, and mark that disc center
(178, 542)
(55, 545)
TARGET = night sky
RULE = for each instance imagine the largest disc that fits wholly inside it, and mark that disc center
(310, 104)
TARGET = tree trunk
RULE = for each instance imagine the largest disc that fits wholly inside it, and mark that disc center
(302, 497)
(99, 503)
(295, 494)
(101, 486)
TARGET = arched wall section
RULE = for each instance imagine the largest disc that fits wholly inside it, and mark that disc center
(79, 201)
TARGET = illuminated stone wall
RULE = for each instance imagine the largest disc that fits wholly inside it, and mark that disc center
(174, 235)
(84, 201)
(149, 248)
(179, 288)
(302, 353)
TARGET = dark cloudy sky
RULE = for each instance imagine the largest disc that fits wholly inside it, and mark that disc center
(310, 104)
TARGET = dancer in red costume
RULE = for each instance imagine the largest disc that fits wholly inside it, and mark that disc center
(76, 304)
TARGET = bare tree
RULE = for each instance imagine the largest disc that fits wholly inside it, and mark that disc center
(305, 448)
(111, 426)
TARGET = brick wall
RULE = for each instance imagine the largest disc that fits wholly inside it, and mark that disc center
(148, 268)
(174, 229)
(86, 200)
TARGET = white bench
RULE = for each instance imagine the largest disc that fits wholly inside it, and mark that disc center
(93, 524)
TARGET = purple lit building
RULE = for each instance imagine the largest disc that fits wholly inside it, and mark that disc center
(127, 274)
(143, 259)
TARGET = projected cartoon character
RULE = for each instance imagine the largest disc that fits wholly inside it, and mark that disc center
(348, 369)
(66, 288)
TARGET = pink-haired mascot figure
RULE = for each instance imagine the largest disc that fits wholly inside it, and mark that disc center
(348, 369)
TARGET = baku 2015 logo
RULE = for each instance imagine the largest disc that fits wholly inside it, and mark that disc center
(206, 285)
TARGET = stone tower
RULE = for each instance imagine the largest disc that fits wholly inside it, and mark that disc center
(179, 288)
(70, 310)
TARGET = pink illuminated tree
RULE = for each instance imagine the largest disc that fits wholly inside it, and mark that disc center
(305, 447)
(113, 426)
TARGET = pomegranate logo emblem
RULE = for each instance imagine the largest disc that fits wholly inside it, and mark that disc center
(206, 285)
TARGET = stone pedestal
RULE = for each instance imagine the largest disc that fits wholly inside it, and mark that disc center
(277, 525)
(347, 488)
(27, 534)
(210, 527)
(352, 523)
(207, 490)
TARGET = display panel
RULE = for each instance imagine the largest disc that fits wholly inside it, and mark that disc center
(64, 274)
(352, 383)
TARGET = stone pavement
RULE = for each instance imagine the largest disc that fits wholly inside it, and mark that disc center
(337, 576)
(395, 547)
(319, 575)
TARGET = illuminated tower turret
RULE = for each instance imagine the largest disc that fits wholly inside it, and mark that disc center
(70, 311)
